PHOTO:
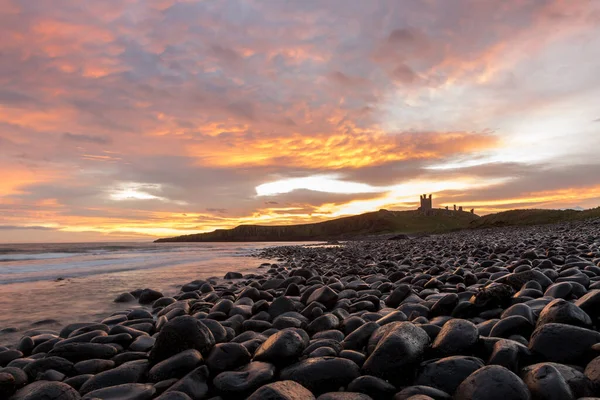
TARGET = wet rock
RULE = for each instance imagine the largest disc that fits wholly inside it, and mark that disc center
(546, 383)
(148, 296)
(563, 312)
(129, 391)
(370, 385)
(421, 393)
(37, 367)
(179, 334)
(281, 348)
(447, 373)
(175, 366)
(492, 382)
(457, 337)
(322, 374)
(130, 372)
(76, 352)
(227, 356)
(93, 366)
(563, 343)
(244, 380)
(324, 295)
(397, 353)
(282, 390)
(43, 390)
(194, 384)
(124, 298)
(8, 355)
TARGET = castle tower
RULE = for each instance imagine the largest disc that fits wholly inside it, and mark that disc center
(426, 203)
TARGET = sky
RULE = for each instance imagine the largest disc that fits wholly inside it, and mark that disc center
(137, 119)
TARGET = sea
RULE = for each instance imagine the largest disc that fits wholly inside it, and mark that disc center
(46, 286)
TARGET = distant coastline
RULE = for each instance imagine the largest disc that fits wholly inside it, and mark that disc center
(386, 223)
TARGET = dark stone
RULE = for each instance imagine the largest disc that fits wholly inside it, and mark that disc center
(447, 373)
(233, 275)
(322, 374)
(324, 295)
(124, 298)
(76, 352)
(77, 381)
(148, 296)
(227, 356)
(245, 380)
(194, 384)
(93, 366)
(7, 385)
(546, 383)
(564, 343)
(282, 390)
(344, 396)
(179, 334)
(398, 353)
(7, 356)
(492, 382)
(130, 372)
(60, 364)
(421, 393)
(281, 348)
(43, 390)
(375, 387)
(174, 396)
(457, 337)
(175, 366)
(128, 391)
(142, 343)
(563, 312)
(592, 372)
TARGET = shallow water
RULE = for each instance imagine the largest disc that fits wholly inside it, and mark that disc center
(94, 274)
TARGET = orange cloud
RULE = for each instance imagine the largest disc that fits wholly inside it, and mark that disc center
(366, 148)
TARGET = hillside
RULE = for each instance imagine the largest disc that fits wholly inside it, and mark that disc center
(379, 222)
(532, 217)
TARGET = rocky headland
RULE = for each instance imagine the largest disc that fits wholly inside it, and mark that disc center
(502, 313)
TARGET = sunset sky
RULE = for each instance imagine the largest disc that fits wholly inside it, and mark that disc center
(137, 119)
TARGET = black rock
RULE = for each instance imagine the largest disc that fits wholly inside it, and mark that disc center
(282, 390)
(148, 296)
(281, 348)
(43, 390)
(93, 366)
(421, 393)
(130, 372)
(447, 373)
(375, 387)
(128, 391)
(227, 356)
(174, 396)
(564, 343)
(492, 382)
(245, 380)
(76, 352)
(397, 353)
(457, 337)
(179, 334)
(124, 298)
(563, 312)
(194, 384)
(60, 364)
(324, 295)
(175, 366)
(546, 383)
(7, 356)
(322, 374)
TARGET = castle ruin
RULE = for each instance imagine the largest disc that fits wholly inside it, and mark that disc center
(427, 205)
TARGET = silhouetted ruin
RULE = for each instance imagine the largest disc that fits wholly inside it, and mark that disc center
(427, 205)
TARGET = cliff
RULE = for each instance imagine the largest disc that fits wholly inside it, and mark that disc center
(379, 222)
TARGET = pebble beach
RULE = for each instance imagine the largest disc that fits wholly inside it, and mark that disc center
(502, 313)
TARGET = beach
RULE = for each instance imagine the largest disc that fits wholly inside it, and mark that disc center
(501, 313)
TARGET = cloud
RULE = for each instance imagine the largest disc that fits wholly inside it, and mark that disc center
(86, 138)
(26, 227)
(209, 100)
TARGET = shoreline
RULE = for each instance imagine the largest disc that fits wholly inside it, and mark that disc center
(465, 314)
